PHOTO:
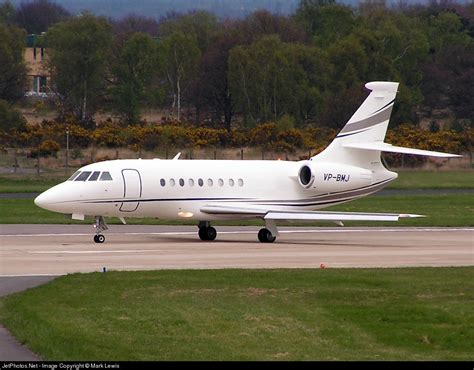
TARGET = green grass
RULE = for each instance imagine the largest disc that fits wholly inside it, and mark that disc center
(434, 180)
(415, 179)
(442, 210)
(331, 314)
(15, 184)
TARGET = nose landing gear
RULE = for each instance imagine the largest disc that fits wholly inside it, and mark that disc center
(99, 238)
(99, 226)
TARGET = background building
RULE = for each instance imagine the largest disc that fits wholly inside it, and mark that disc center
(35, 58)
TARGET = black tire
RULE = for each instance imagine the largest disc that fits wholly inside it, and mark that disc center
(99, 238)
(265, 236)
(202, 233)
(207, 233)
(211, 233)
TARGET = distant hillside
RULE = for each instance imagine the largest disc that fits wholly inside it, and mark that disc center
(159, 8)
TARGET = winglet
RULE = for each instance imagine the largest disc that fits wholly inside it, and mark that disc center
(176, 157)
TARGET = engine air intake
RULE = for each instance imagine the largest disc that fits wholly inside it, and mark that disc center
(306, 176)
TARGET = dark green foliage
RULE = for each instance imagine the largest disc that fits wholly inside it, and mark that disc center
(79, 50)
(310, 66)
(133, 69)
(10, 118)
(12, 66)
(7, 13)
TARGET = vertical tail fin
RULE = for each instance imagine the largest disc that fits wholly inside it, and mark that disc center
(368, 124)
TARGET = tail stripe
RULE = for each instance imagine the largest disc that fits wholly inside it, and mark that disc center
(385, 106)
(368, 122)
(351, 133)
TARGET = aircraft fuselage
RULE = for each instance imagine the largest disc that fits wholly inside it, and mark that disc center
(177, 189)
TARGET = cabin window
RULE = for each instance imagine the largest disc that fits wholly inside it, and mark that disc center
(94, 176)
(221, 182)
(162, 182)
(200, 182)
(105, 176)
(172, 182)
(241, 182)
(191, 182)
(210, 182)
(83, 176)
(231, 182)
(181, 182)
(74, 175)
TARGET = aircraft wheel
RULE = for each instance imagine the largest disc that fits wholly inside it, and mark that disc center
(211, 233)
(202, 233)
(99, 238)
(207, 233)
(265, 236)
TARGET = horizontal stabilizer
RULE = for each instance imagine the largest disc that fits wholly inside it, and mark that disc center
(385, 147)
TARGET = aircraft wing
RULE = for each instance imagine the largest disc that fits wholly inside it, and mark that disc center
(303, 215)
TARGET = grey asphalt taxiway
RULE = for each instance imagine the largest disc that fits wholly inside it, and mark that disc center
(62, 249)
(34, 254)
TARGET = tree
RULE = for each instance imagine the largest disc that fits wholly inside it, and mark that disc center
(257, 75)
(179, 53)
(213, 83)
(270, 78)
(135, 23)
(133, 70)
(7, 13)
(79, 50)
(13, 71)
(200, 24)
(311, 75)
(38, 15)
(10, 118)
(325, 21)
(263, 23)
(448, 74)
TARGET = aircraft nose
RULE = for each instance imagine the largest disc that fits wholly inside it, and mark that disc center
(41, 200)
(56, 199)
(48, 199)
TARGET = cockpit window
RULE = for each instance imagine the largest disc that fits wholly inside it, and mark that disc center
(94, 176)
(105, 176)
(74, 175)
(83, 176)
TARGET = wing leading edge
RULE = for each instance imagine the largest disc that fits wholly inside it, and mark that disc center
(303, 215)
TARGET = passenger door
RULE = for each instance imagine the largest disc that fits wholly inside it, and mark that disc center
(132, 190)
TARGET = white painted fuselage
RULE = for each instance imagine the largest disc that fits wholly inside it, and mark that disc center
(178, 189)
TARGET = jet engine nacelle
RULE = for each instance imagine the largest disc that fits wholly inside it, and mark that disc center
(332, 177)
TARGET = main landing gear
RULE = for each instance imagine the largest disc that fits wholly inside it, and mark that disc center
(265, 235)
(206, 231)
(99, 226)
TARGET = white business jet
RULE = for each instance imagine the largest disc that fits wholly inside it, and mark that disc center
(209, 190)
